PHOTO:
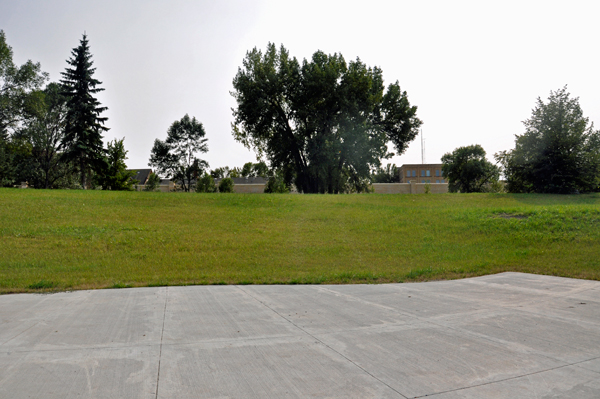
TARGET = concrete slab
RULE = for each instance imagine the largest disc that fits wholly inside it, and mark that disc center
(264, 368)
(565, 382)
(85, 319)
(533, 333)
(507, 335)
(219, 313)
(592, 365)
(81, 373)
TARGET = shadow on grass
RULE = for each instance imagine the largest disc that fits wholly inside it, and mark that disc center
(42, 285)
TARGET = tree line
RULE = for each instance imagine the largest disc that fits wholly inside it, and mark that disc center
(322, 125)
(559, 153)
(51, 134)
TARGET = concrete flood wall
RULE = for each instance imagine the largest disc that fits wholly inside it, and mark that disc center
(410, 188)
(237, 188)
(165, 188)
(249, 188)
(380, 188)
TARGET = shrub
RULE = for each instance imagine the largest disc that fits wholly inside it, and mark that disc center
(152, 183)
(276, 185)
(226, 185)
(493, 187)
(206, 184)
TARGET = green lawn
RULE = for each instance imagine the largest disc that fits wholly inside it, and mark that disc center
(62, 240)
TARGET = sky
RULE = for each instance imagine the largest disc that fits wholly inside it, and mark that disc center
(474, 69)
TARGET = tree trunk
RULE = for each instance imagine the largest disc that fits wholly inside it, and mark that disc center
(82, 172)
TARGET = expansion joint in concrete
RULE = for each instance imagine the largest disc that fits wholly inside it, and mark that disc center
(507, 379)
(161, 340)
(321, 342)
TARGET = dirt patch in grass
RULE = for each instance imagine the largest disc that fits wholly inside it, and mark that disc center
(511, 216)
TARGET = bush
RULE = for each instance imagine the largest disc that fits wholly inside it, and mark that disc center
(226, 185)
(389, 174)
(152, 183)
(206, 184)
(276, 185)
(494, 187)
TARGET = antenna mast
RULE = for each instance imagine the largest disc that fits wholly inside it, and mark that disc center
(422, 148)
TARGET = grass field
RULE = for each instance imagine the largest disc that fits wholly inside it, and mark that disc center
(63, 240)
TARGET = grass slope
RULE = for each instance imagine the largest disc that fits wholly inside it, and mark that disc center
(57, 240)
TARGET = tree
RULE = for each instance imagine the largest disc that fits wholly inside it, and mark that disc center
(389, 174)
(259, 169)
(19, 88)
(219, 173)
(45, 131)
(82, 143)
(152, 183)
(114, 175)
(226, 185)
(176, 157)
(276, 184)
(329, 120)
(19, 93)
(468, 171)
(559, 151)
(206, 184)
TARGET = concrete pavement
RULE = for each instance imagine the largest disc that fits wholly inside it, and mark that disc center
(509, 335)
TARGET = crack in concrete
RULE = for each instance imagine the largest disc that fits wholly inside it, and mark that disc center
(321, 342)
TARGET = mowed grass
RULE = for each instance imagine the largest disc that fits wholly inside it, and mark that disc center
(63, 240)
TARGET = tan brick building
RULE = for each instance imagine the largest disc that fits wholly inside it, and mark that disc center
(422, 173)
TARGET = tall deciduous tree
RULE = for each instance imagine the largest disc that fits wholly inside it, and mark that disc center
(327, 120)
(19, 88)
(19, 93)
(559, 151)
(176, 158)
(84, 125)
(467, 169)
(45, 131)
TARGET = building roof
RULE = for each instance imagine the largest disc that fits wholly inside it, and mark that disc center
(141, 175)
(421, 165)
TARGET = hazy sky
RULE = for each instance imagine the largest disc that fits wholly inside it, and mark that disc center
(473, 68)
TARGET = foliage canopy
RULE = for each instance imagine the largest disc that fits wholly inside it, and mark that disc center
(45, 131)
(19, 94)
(152, 183)
(326, 121)
(468, 171)
(19, 88)
(82, 142)
(389, 174)
(206, 184)
(115, 175)
(559, 151)
(176, 157)
(226, 185)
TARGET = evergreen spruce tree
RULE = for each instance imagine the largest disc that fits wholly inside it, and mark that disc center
(82, 142)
